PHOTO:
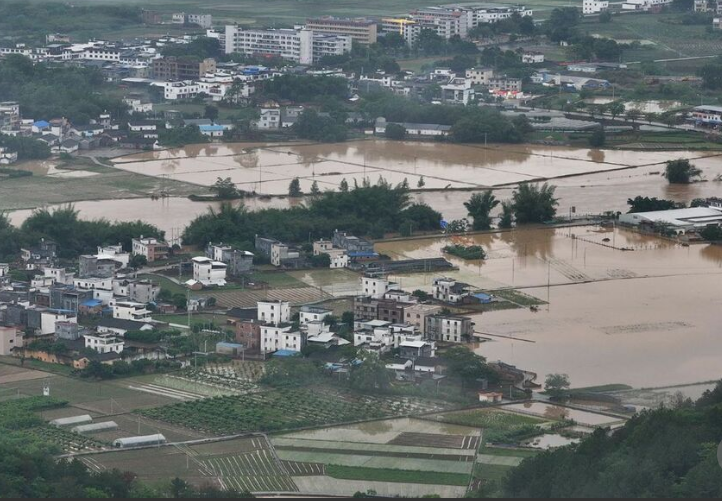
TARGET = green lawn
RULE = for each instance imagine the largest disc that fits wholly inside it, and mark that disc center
(165, 283)
(497, 425)
(492, 473)
(517, 453)
(398, 476)
(276, 279)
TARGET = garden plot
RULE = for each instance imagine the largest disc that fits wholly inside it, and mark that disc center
(67, 441)
(429, 440)
(287, 409)
(378, 462)
(256, 471)
(497, 425)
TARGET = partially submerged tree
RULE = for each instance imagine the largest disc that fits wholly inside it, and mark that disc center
(479, 207)
(681, 171)
(534, 204)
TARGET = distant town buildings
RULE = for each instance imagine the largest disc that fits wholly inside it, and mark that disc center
(363, 31)
(594, 6)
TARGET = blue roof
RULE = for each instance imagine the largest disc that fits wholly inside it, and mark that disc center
(92, 303)
(41, 124)
(211, 128)
(363, 254)
(286, 353)
(485, 298)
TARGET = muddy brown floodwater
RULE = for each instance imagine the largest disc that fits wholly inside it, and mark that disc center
(269, 169)
(647, 318)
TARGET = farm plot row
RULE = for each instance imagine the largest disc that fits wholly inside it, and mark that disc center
(254, 472)
(497, 425)
(286, 409)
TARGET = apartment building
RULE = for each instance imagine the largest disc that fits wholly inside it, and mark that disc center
(182, 68)
(445, 22)
(205, 21)
(209, 272)
(299, 45)
(361, 30)
(449, 328)
(480, 76)
(407, 28)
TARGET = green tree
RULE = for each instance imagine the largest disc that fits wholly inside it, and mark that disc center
(225, 189)
(681, 171)
(557, 385)
(534, 204)
(395, 132)
(370, 374)
(507, 216)
(647, 204)
(633, 115)
(616, 109)
(315, 191)
(598, 139)
(211, 112)
(467, 365)
(421, 183)
(294, 189)
(712, 233)
(479, 207)
(605, 17)
(344, 185)
(138, 261)
(712, 75)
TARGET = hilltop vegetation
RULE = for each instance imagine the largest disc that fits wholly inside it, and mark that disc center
(670, 452)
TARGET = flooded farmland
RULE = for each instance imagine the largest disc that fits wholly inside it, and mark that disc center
(269, 169)
(647, 318)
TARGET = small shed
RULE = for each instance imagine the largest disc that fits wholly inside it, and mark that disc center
(490, 397)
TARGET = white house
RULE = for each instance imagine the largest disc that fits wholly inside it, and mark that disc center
(480, 76)
(10, 337)
(274, 312)
(104, 343)
(532, 58)
(594, 6)
(270, 119)
(449, 290)
(128, 310)
(4, 269)
(313, 314)
(209, 272)
(275, 338)
(49, 318)
(376, 287)
(7, 157)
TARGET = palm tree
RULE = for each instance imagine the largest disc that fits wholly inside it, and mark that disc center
(479, 207)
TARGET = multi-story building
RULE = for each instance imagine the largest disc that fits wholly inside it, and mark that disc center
(205, 21)
(360, 30)
(179, 91)
(309, 314)
(152, 248)
(505, 84)
(10, 338)
(449, 290)
(277, 338)
(269, 119)
(182, 68)
(458, 91)
(248, 333)
(9, 115)
(480, 76)
(338, 257)
(129, 310)
(299, 45)
(416, 314)
(104, 343)
(406, 27)
(209, 272)
(238, 261)
(274, 312)
(595, 6)
(449, 328)
(445, 22)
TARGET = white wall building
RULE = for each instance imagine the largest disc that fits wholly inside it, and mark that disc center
(300, 45)
(594, 6)
(10, 338)
(274, 312)
(49, 318)
(104, 343)
(275, 338)
(376, 287)
(128, 310)
(313, 314)
(209, 272)
(269, 119)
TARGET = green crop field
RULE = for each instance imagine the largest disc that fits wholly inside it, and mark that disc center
(667, 40)
(401, 476)
(497, 425)
(284, 409)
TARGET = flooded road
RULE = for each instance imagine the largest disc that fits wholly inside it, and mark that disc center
(646, 318)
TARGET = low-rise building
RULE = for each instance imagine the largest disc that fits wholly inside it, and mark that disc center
(448, 290)
(239, 262)
(590, 7)
(128, 310)
(10, 338)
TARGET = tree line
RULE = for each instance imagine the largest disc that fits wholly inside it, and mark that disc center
(73, 235)
(366, 210)
(45, 91)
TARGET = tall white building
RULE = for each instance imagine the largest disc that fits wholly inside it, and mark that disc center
(209, 272)
(594, 6)
(300, 45)
(458, 19)
(274, 312)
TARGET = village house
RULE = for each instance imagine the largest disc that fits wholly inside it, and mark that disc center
(151, 248)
